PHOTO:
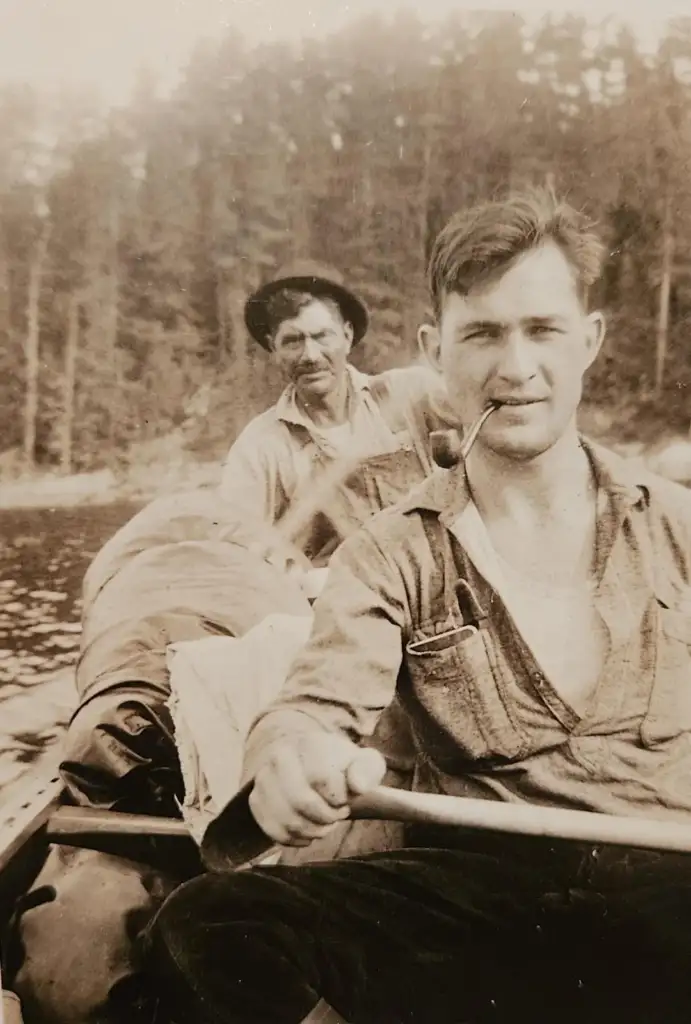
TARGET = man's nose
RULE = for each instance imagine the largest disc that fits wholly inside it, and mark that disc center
(311, 351)
(517, 362)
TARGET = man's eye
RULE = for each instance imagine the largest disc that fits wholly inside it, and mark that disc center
(543, 329)
(479, 336)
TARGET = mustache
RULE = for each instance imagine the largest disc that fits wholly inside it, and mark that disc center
(303, 368)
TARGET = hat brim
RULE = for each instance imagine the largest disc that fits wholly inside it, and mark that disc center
(353, 309)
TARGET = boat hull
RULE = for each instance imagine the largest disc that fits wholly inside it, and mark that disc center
(23, 846)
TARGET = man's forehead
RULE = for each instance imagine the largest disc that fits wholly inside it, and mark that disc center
(314, 312)
(539, 283)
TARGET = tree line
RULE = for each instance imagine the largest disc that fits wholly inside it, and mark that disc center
(129, 237)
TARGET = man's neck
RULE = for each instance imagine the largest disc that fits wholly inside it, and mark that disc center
(329, 410)
(532, 491)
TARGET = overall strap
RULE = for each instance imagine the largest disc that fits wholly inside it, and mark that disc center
(453, 597)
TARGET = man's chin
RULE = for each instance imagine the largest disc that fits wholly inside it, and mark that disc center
(316, 386)
(521, 446)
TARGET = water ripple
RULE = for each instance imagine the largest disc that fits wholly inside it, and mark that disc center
(43, 556)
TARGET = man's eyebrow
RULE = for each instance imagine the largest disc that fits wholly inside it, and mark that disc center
(480, 325)
(545, 318)
(494, 325)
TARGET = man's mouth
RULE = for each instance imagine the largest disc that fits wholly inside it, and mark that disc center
(515, 401)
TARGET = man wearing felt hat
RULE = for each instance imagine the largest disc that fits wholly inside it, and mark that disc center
(328, 414)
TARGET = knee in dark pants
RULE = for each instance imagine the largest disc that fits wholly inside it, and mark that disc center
(225, 937)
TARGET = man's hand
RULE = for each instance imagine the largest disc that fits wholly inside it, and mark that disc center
(304, 789)
(313, 582)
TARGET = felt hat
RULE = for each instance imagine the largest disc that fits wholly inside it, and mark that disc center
(319, 280)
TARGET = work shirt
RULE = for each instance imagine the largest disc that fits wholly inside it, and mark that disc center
(282, 455)
(486, 719)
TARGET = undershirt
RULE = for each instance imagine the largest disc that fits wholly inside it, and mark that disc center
(559, 623)
(338, 437)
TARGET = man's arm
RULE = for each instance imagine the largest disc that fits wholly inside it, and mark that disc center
(250, 480)
(422, 390)
(252, 487)
(303, 753)
(346, 674)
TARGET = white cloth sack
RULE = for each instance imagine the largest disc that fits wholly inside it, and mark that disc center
(219, 685)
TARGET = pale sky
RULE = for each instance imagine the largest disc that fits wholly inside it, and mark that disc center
(101, 44)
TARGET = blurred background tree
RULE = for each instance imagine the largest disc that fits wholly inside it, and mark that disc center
(129, 237)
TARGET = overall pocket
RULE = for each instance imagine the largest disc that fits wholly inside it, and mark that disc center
(377, 482)
(388, 477)
(457, 685)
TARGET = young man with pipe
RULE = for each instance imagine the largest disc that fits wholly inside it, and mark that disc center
(538, 600)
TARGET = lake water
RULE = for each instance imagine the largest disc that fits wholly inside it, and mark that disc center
(43, 556)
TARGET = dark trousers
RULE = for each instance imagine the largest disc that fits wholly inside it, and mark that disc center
(499, 931)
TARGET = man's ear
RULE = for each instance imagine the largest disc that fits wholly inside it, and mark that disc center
(596, 331)
(429, 343)
(348, 331)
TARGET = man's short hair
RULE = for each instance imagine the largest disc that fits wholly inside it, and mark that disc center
(287, 303)
(479, 243)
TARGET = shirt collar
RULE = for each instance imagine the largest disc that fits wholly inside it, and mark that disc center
(287, 408)
(446, 491)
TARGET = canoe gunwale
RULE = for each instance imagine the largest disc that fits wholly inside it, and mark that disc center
(27, 811)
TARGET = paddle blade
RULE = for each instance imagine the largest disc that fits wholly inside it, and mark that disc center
(234, 839)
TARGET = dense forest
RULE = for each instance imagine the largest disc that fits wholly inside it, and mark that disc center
(130, 236)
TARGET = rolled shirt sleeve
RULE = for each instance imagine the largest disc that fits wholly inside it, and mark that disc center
(346, 675)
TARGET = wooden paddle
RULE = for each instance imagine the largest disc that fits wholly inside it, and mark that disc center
(234, 839)
(73, 823)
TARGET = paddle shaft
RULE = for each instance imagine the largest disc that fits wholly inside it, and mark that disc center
(69, 824)
(385, 803)
(523, 819)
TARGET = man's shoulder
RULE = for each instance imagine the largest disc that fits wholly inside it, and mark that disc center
(418, 387)
(263, 442)
(268, 418)
(660, 491)
(415, 379)
(669, 498)
(266, 425)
